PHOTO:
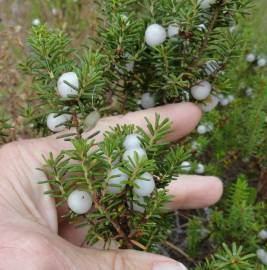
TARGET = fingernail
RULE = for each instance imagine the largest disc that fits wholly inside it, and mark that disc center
(169, 266)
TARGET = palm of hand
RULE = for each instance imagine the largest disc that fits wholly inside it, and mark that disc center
(33, 236)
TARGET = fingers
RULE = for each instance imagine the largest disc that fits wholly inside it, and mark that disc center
(191, 191)
(187, 192)
(184, 117)
(126, 260)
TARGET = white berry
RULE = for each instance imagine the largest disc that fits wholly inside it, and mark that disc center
(202, 27)
(265, 119)
(130, 66)
(210, 103)
(36, 22)
(211, 67)
(54, 11)
(91, 120)
(202, 129)
(124, 17)
(195, 146)
(250, 57)
(261, 62)
(209, 126)
(201, 91)
(155, 35)
(233, 28)
(145, 185)
(173, 30)
(116, 182)
(206, 4)
(186, 166)
(224, 102)
(148, 101)
(80, 202)
(262, 234)
(261, 253)
(262, 256)
(129, 155)
(138, 204)
(132, 141)
(200, 168)
(65, 90)
(249, 92)
(56, 122)
(231, 98)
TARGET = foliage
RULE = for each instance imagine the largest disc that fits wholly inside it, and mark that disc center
(88, 168)
(115, 68)
(231, 258)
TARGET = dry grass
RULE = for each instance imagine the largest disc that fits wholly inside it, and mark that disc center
(16, 22)
(78, 22)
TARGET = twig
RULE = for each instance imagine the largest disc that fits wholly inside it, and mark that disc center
(179, 251)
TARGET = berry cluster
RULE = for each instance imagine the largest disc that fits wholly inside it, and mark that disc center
(124, 178)
(258, 60)
(261, 253)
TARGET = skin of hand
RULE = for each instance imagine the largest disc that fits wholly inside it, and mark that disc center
(34, 237)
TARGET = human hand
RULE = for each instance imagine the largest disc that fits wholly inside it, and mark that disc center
(34, 237)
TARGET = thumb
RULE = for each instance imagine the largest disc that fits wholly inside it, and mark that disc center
(93, 259)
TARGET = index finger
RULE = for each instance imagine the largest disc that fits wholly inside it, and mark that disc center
(183, 116)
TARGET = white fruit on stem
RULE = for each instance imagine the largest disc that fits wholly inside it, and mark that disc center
(129, 155)
(148, 101)
(124, 17)
(206, 4)
(249, 92)
(56, 122)
(155, 35)
(36, 22)
(186, 166)
(138, 204)
(132, 141)
(202, 129)
(145, 185)
(130, 66)
(195, 146)
(200, 168)
(262, 234)
(91, 120)
(260, 253)
(231, 98)
(201, 91)
(262, 256)
(261, 62)
(80, 202)
(233, 28)
(66, 90)
(116, 182)
(209, 126)
(210, 103)
(250, 57)
(173, 30)
(202, 27)
(224, 102)
(55, 11)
